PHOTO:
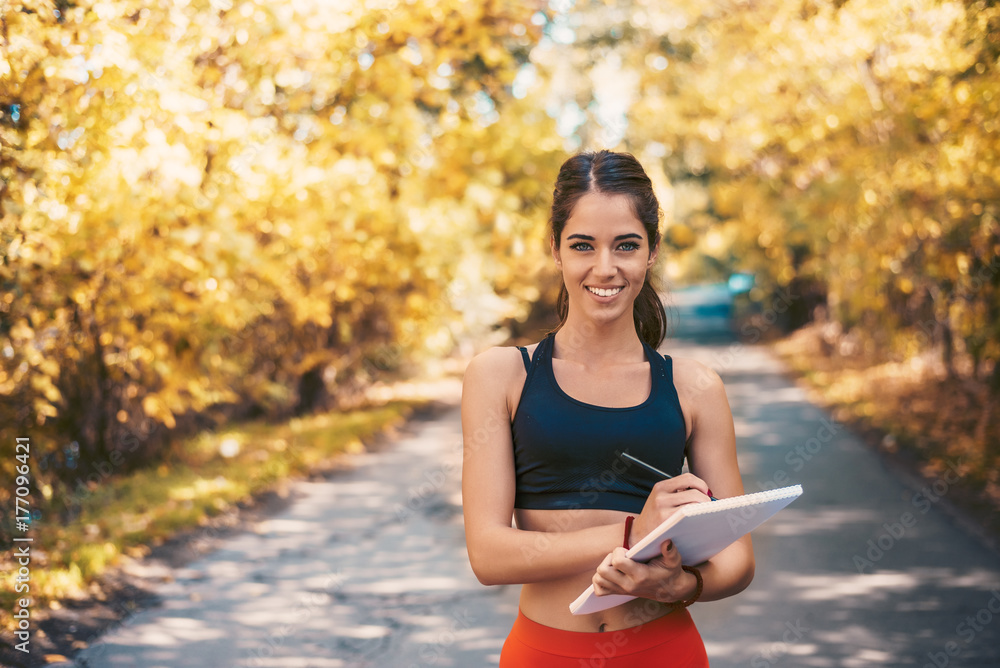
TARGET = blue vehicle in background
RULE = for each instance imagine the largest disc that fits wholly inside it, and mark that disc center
(706, 311)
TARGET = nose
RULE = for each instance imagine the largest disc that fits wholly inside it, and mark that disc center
(605, 266)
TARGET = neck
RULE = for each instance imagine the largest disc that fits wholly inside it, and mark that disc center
(590, 343)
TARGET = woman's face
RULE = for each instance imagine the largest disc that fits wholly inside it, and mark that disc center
(604, 255)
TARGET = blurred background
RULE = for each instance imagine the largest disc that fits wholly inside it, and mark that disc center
(224, 223)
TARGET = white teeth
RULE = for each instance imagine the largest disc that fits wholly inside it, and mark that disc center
(601, 292)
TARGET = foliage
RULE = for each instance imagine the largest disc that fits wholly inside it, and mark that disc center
(238, 208)
(848, 155)
(249, 206)
(851, 146)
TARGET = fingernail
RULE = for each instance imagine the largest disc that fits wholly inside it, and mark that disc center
(710, 493)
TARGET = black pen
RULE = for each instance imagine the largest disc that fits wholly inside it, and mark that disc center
(653, 469)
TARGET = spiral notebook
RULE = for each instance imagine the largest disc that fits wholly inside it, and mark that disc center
(699, 532)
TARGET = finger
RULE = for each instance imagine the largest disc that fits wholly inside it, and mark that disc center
(606, 582)
(608, 577)
(606, 565)
(682, 482)
(669, 556)
(607, 573)
(621, 562)
(670, 501)
(692, 481)
(665, 504)
(607, 569)
(606, 590)
(624, 567)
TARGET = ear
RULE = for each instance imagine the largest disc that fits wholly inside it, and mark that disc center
(653, 253)
(555, 251)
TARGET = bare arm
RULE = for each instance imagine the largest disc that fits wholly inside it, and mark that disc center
(498, 552)
(713, 463)
(712, 457)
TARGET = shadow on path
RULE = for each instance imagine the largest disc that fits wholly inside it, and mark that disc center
(369, 568)
(863, 569)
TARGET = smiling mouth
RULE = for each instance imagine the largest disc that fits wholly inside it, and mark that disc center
(606, 292)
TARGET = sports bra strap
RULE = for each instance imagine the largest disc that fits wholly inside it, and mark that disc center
(527, 360)
(564, 447)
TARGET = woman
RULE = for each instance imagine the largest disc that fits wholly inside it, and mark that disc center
(544, 427)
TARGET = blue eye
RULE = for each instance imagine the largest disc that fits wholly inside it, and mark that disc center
(581, 246)
(629, 246)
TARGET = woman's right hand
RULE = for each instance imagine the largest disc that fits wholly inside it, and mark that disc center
(664, 500)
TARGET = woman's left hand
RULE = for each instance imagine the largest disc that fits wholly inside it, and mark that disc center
(662, 579)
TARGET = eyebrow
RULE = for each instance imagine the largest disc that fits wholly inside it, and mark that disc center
(620, 237)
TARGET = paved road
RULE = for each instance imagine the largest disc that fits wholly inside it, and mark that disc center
(368, 568)
(865, 569)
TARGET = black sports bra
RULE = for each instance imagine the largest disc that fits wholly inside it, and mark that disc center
(566, 452)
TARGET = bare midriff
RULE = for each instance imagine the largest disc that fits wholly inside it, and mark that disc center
(548, 602)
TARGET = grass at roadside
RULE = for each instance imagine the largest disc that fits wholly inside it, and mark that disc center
(204, 476)
(911, 411)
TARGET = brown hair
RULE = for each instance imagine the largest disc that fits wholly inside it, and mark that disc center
(612, 173)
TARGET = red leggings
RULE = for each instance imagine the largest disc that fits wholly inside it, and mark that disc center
(671, 641)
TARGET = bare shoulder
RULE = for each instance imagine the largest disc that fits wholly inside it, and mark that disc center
(695, 379)
(494, 370)
(703, 397)
(491, 382)
(495, 363)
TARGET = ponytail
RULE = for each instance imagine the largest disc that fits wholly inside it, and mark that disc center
(649, 316)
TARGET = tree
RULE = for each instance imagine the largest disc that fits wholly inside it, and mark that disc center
(231, 209)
